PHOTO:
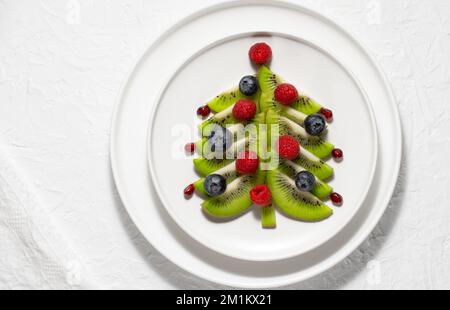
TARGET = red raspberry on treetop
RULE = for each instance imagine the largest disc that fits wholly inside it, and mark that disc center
(260, 53)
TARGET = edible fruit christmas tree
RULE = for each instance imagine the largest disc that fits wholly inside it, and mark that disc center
(264, 145)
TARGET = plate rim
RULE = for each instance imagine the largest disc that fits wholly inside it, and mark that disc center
(386, 85)
(151, 163)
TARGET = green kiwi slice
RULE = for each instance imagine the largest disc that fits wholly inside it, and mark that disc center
(225, 100)
(210, 164)
(229, 98)
(246, 143)
(223, 118)
(306, 105)
(313, 164)
(293, 202)
(207, 164)
(303, 104)
(205, 167)
(268, 81)
(316, 145)
(268, 102)
(322, 190)
(236, 198)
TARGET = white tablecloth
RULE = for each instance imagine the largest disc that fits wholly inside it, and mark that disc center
(61, 65)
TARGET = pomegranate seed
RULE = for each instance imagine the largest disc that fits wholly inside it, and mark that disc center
(328, 114)
(204, 111)
(337, 154)
(189, 191)
(336, 199)
(190, 148)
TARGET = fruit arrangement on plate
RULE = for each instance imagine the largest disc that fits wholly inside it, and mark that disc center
(264, 145)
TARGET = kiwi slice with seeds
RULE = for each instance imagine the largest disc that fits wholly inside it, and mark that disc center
(269, 103)
(321, 190)
(205, 167)
(225, 100)
(294, 115)
(223, 118)
(314, 165)
(306, 105)
(316, 145)
(205, 150)
(303, 104)
(229, 98)
(293, 202)
(207, 164)
(268, 81)
(236, 198)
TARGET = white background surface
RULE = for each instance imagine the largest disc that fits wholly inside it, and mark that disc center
(61, 66)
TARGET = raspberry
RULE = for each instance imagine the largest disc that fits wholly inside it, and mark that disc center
(288, 147)
(261, 195)
(247, 163)
(260, 53)
(286, 94)
(244, 110)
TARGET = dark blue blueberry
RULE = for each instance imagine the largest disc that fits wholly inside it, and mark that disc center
(215, 185)
(305, 181)
(220, 139)
(315, 124)
(248, 85)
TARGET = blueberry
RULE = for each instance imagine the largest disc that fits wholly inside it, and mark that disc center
(215, 185)
(248, 85)
(305, 181)
(315, 124)
(220, 139)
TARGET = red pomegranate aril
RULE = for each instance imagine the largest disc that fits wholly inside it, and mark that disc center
(336, 199)
(337, 154)
(190, 148)
(328, 114)
(204, 111)
(189, 191)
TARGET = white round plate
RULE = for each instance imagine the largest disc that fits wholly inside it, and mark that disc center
(218, 67)
(143, 90)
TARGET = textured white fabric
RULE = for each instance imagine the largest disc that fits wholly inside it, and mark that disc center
(33, 254)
